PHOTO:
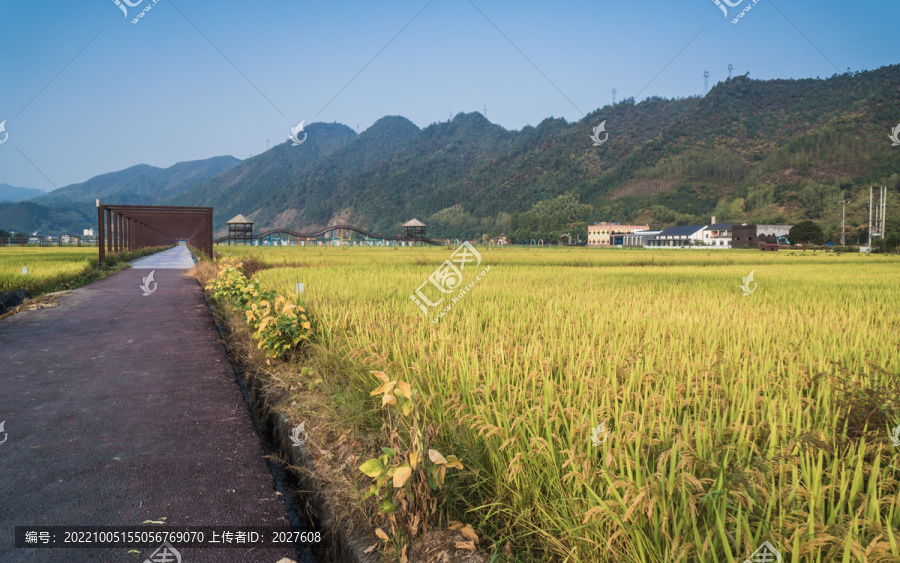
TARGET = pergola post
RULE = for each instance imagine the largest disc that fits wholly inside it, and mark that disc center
(131, 227)
(101, 233)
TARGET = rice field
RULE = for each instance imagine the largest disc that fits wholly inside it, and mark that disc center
(630, 405)
(45, 265)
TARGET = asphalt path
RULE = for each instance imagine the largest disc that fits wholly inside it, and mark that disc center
(120, 406)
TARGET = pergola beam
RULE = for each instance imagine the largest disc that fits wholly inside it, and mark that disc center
(130, 227)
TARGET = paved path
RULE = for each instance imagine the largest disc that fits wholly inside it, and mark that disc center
(178, 258)
(121, 408)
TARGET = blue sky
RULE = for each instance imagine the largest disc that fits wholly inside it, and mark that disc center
(85, 91)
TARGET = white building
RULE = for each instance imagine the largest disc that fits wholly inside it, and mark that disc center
(678, 237)
(719, 235)
(639, 238)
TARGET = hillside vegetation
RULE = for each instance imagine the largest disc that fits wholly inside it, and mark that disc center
(774, 151)
(765, 151)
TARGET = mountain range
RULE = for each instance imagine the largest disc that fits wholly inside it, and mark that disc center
(12, 193)
(73, 208)
(767, 151)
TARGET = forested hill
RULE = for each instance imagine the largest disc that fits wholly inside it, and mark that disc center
(767, 151)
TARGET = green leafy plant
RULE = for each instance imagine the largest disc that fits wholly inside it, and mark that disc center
(409, 472)
(278, 324)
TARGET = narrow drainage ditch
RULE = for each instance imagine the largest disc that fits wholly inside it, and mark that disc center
(302, 518)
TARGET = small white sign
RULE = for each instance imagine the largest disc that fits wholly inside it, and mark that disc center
(24, 270)
(299, 288)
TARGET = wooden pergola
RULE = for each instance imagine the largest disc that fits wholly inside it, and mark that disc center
(240, 229)
(414, 231)
(129, 227)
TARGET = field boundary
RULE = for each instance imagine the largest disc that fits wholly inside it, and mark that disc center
(344, 543)
(92, 272)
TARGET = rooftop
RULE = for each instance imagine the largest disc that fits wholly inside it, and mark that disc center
(681, 230)
(240, 219)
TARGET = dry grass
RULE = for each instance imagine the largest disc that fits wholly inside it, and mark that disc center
(42, 302)
(203, 272)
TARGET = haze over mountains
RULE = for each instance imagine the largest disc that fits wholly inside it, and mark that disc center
(775, 151)
(73, 208)
(13, 193)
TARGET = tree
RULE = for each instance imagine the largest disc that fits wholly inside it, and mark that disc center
(806, 232)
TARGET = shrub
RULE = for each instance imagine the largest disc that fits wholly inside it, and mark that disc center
(279, 325)
(409, 471)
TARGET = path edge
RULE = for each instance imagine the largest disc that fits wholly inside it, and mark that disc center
(344, 544)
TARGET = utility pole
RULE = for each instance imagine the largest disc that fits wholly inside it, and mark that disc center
(614, 96)
(267, 144)
(705, 82)
(730, 69)
(869, 244)
(843, 221)
(880, 208)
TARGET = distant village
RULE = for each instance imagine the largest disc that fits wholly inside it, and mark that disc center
(714, 235)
